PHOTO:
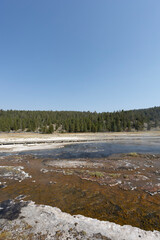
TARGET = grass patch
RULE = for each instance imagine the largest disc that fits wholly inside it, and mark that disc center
(133, 154)
(114, 175)
(96, 174)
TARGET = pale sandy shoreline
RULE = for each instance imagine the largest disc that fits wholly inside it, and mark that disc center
(14, 142)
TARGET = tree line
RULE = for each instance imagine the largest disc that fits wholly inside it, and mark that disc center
(74, 121)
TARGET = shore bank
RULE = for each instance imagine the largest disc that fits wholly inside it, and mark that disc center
(14, 142)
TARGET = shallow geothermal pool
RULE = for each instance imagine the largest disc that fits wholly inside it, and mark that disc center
(118, 181)
(96, 149)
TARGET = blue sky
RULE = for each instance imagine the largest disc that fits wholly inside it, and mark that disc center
(96, 55)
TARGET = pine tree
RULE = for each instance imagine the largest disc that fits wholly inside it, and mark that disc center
(50, 129)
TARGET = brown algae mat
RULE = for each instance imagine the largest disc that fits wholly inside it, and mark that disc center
(123, 188)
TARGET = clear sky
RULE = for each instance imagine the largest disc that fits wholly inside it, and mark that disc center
(96, 55)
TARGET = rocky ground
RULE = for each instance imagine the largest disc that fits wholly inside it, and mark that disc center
(26, 220)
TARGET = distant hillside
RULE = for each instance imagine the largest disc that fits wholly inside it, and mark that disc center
(72, 121)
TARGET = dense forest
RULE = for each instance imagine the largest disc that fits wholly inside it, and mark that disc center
(74, 121)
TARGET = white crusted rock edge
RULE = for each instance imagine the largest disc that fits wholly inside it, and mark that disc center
(52, 223)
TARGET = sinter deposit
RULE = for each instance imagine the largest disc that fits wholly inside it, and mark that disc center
(25, 219)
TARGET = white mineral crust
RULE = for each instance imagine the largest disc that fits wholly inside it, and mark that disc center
(48, 220)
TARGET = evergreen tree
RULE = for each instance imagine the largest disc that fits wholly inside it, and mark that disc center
(113, 126)
(50, 129)
(79, 121)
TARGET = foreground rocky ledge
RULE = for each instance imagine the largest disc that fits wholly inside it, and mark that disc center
(26, 220)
